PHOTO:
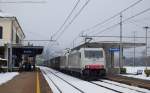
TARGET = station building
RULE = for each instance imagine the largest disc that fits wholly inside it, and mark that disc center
(12, 48)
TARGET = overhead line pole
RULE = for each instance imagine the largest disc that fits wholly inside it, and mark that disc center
(121, 47)
(118, 13)
(134, 51)
(146, 41)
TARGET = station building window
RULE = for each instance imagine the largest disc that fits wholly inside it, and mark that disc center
(1, 32)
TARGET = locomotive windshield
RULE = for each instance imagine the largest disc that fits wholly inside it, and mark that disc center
(93, 54)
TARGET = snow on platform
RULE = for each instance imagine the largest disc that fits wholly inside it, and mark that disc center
(132, 72)
(5, 77)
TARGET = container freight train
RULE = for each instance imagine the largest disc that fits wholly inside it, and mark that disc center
(86, 62)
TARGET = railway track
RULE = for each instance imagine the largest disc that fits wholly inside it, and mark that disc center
(105, 87)
(81, 91)
(52, 82)
(80, 85)
(45, 72)
(90, 82)
(122, 86)
(130, 81)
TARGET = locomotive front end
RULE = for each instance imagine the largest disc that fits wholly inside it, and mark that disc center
(94, 62)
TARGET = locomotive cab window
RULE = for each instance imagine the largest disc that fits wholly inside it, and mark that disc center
(93, 54)
(1, 32)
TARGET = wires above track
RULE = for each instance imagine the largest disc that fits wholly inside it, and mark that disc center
(78, 1)
(72, 20)
(21, 2)
(146, 10)
(114, 16)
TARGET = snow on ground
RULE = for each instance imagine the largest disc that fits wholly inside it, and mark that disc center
(81, 84)
(84, 85)
(132, 71)
(52, 86)
(64, 86)
(5, 77)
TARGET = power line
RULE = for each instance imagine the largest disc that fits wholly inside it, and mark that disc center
(66, 18)
(111, 18)
(117, 36)
(146, 10)
(133, 22)
(65, 21)
(73, 41)
(39, 40)
(20, 2)
(103, 22)
(61, 33)
(107, 28)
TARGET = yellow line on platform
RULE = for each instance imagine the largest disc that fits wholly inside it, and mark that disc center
(38, 90)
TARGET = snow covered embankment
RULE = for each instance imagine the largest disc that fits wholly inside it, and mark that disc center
(133, 70)
(5, 77)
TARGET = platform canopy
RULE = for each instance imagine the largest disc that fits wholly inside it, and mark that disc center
(109, 44)
(31, 50)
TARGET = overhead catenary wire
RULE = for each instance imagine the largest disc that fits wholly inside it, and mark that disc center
(116, 36)
(137, 25)
(79, 33)
(73, 41)
(146, 10)
(61, 33)
(70, 14)
(66, 27)
(52, 38)
(103, 22)
(21, 2)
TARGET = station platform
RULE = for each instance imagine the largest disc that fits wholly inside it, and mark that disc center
(26, 82)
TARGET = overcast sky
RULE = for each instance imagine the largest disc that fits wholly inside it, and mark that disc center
(40, 21)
